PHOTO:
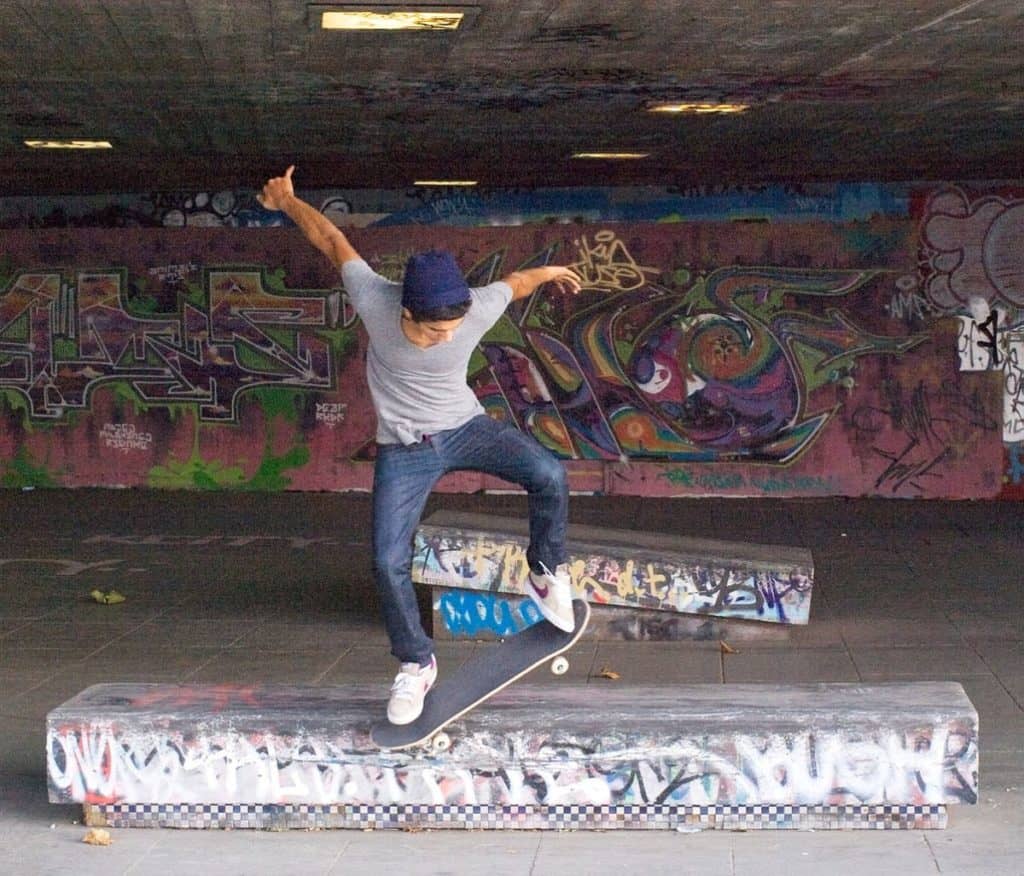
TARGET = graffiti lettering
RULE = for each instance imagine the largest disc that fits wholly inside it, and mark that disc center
(1013, 388)
(978, 342)
(208, 357)
(470, 613)
(606, 264)
(902, 470)
(125, 437)
(330, 413)
(909, 306)
(105, 764)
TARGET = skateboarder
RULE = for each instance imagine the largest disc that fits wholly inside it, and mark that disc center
(422, 333)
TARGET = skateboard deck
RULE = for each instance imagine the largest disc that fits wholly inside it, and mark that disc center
(480, 678)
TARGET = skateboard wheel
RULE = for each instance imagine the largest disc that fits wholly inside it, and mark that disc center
(559, 666)
(441, 742)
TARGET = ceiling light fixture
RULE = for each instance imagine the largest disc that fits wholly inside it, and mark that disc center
(612, 155)
(699, 108)
(408, 19)
(445, 182)
(69, 144)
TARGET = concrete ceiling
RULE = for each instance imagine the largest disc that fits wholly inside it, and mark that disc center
(216, 93)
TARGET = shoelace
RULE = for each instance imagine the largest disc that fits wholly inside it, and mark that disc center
(407, 684)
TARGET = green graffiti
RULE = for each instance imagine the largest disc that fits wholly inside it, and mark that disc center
(795, 482)
(22, 472)
(7, 270)
(274, 280)
(696, 298)
(340, 341)
(707, 481)
(269, 477)
(195, 473)
(504, 331)
(142, 306)
(276, 402)
(870, 244)
(17, 403)
(124, 395)
(713, 481)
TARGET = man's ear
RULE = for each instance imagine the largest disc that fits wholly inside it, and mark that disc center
(406, 313)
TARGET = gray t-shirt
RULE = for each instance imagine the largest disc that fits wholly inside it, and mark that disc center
(417, 391)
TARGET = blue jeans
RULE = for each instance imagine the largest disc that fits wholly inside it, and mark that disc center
(403, 477)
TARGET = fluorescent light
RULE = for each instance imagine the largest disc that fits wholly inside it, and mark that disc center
(409, 20)
(69, 144)
(445, 182)
(611, 155)
(698, 108)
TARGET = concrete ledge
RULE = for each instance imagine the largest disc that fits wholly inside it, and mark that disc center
(130, 749)
(624, 568)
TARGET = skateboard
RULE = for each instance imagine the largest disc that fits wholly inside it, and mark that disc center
(480, 678)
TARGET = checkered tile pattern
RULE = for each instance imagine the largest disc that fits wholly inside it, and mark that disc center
(568, 817)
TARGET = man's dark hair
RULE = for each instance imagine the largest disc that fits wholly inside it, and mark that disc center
(440, 313)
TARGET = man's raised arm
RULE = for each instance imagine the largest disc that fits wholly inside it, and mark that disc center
(279, 194)
(526, 282)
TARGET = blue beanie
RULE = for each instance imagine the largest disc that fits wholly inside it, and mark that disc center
(433, 279)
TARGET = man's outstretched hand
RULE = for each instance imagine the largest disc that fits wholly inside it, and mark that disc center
(277, 190)
(564, 279)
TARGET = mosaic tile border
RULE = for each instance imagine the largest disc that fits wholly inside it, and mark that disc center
(480, 817)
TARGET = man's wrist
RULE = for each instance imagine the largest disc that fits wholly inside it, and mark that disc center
(287, 202)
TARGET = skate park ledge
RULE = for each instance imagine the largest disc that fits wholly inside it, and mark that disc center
(643, 586)
(740, 756)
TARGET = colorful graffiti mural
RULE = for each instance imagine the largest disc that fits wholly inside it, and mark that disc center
(721, 358)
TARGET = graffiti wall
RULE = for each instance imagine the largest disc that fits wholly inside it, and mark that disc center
(875, 357)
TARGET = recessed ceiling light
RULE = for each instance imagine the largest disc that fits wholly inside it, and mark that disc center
(445, 182)
(611, 155)
(409, 19)
(698, 107)
(69, 144)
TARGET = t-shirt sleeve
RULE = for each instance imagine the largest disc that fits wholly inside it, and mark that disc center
(360, 280)
(489, 302)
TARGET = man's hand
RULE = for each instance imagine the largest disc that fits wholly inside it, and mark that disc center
(279, 194)
(527, 281)
(565, 279)
(277, 190)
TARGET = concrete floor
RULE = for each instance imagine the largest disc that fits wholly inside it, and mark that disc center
(276, 588)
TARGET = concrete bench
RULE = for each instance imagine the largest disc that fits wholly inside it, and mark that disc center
(655, 574)
(536, 756)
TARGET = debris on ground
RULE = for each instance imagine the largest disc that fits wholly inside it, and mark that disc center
(97, 836)
(111, 597)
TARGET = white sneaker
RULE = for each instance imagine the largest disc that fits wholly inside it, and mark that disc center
(552, 594)
(407, 693)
